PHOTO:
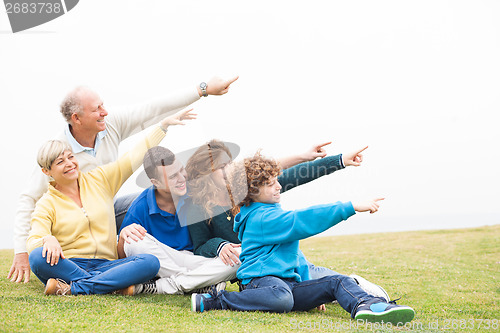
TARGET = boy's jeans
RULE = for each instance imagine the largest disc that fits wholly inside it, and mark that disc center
(271, 293)
(317, 272)
(96, 276)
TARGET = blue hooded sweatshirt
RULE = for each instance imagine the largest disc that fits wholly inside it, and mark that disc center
(270, 237)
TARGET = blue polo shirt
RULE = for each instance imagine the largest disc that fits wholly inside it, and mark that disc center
(160, 224)
(77, 147)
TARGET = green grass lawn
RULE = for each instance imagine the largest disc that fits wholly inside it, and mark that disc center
(450, 277)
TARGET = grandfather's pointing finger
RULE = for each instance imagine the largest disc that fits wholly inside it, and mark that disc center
(230, 81)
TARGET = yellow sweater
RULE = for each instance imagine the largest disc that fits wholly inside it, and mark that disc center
(88, 232)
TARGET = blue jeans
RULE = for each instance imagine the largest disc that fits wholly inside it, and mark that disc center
(274, 294)
(96, 276)
(122, 204)
(317, 272)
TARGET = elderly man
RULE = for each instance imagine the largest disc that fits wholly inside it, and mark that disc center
(95, 137)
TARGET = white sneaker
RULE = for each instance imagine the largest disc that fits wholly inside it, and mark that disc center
(370, 288)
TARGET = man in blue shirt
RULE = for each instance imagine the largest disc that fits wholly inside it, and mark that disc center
(152, 226)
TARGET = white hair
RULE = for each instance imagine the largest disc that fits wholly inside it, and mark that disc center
(72, 102)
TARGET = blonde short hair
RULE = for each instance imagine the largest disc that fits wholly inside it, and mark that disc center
(51, 150)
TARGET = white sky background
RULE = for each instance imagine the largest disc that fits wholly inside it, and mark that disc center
(418, 82)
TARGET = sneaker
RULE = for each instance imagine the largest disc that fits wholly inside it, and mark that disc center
(146, 288)
(57, 287)
(371, 288)
(377, 310)
(205, 302)
(205, 290)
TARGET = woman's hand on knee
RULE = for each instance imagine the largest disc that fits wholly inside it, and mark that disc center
(134, 231)
(52, 250)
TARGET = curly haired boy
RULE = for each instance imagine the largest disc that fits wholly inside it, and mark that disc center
(273, 270)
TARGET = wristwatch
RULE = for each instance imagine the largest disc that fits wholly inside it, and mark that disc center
(203, 87)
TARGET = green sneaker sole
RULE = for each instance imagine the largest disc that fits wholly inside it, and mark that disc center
(394, 316)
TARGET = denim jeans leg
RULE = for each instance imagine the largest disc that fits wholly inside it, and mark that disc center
(268, 293)
(122, 205)
(113, 275)
(310, 294)
(317, 272)
(65, 269)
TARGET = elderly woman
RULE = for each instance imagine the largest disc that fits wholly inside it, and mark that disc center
(72, 242)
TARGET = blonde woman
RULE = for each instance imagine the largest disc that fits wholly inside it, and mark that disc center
(72, 242)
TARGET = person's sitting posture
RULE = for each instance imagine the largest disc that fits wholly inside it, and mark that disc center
(210, 211)
(72, 242)
(152, 226)
(271, 270)
(94, 137)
